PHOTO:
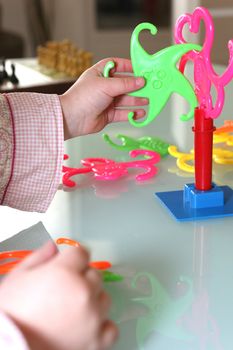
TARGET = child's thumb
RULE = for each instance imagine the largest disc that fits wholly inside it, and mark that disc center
(39, 256)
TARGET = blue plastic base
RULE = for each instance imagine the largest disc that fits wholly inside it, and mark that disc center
(183, 210)
(203, 199)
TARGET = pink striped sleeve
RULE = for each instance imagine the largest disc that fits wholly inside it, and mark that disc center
(38, 150)
(10, 336)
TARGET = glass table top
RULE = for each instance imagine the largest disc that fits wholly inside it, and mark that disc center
(178, 283)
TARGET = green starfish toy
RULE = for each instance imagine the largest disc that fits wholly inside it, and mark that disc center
(161, 75)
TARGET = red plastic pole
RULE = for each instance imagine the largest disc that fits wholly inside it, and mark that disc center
(203, 148)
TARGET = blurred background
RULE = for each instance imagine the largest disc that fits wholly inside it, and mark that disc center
(101, 26)
(66, 37)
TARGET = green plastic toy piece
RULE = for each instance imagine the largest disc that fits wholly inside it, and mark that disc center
(154, 144)
(109, 65)
(161, 74)
(146, 142)
(128, 143)
(109, 276)
(162, 77)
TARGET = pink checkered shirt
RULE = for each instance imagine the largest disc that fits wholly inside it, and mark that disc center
(31, 149)
(31, 155)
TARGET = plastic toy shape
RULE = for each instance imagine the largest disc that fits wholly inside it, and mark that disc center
(107, 169)
(182, 158)
(16, 255)
(203, 200)
(109, 65)
(191, 204)
(112, 171)
(109, 276)
(69, 171)
(223, 133)
(102, 266)
(68, 241)
(19, 255)
(223, 138)
(146, 142)
(99, 265)
(204, 75)
(227, 127)
(164, 313)
(161, 75)
(220, 156)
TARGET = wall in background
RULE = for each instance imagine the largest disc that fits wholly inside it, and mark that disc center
(66, 20)
(75, 20)
(14, 20)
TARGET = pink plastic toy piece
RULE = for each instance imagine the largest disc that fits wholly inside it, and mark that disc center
(108, 169)
(90, 162)
(204, 74)
(66, 168)
(113, 170)
(75, 171)
(104, 168)
(147, 163)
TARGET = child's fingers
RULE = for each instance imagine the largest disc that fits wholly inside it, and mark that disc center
(104, 303)
(39, 256)
(126, 100)
(108, 335)
(94, 280)
(74, 258)
(121, 115)
(119, 86)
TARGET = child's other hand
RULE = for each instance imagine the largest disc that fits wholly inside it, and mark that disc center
(58, 302)
(93, 101)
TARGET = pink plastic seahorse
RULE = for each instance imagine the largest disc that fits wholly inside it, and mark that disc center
(204, 74)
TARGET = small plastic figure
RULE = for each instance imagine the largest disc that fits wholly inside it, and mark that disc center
(13, 78)
(3, 73)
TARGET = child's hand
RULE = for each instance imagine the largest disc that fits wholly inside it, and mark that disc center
(91, 103)
(58, 302)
